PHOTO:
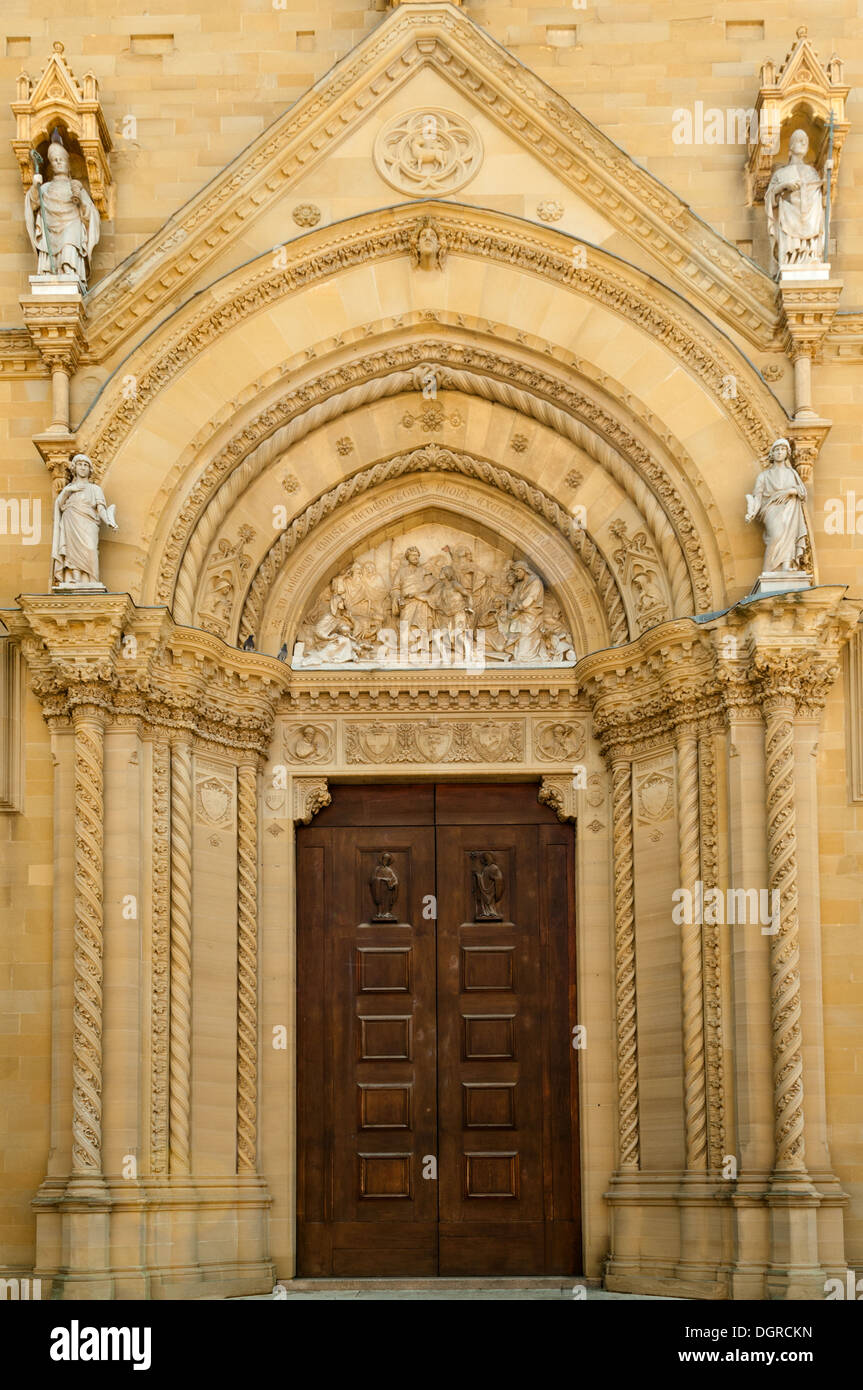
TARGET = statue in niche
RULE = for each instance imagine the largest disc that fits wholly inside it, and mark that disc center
(61, 218)
(487, 886)
(795, 209)
(451, 608)
(777, 503)
(384, 885)
(79, 511)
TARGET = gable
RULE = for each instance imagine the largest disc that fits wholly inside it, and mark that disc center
(322, 151)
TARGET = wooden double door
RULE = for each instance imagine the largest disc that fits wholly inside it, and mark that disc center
(436, 1078)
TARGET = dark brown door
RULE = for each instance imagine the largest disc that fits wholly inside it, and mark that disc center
(436, 1084)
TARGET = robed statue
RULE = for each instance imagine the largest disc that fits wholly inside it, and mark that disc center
(777, 503)
(62, 219)
(384, 885)
(79, 511)
(795, 209)
(487, 886)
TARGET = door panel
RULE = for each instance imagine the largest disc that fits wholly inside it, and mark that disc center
(367, 1042)
(504, 1204)
(447, 1038)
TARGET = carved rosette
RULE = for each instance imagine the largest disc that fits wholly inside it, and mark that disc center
(785, 1004)
(247, 968)
(89, 922)
(624, 966)
(181, 953)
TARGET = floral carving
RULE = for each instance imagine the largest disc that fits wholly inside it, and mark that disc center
(306, 215)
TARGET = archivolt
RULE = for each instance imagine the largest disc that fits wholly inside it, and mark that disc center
(705, 351)
(525, 387)
(433, 458)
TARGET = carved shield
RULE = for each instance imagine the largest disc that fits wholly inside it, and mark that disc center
(490, 740)
(655, 795)
(378, 741)
(215, 800)
(434, 741)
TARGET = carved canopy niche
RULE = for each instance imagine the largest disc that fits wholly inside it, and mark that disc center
(56, 99)
(434, 594)
(804, 94)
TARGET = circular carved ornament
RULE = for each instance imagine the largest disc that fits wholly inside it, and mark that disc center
(427, 152)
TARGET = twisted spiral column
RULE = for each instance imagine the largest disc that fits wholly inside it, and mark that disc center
(692, 965)
(624, 965)
(247, 967)
(160, 954)
(89, 921)
(181, 955)
(785, 1005)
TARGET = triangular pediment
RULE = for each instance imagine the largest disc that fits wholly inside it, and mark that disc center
(515, 132)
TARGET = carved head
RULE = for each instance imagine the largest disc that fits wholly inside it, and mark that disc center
(799, 143)
(308, 733)
(427, 239)
(58, 155)
(412, 555)
(780, 451)
(386, 859)
(81, 465)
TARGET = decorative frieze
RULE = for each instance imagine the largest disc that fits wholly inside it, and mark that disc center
(435, 741)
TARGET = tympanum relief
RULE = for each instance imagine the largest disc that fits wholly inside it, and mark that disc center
(435, 597)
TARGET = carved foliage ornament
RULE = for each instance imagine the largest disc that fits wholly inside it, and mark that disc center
(427, 152)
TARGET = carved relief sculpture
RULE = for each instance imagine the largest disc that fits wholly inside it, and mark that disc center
(463, 605)
(487, 886)
(384, 885)
(79, 511)
(427, 152)
(62, 220)
(427, 246)
(795, 209)
(777, 503)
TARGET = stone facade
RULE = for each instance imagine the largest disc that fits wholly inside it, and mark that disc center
(429, 292)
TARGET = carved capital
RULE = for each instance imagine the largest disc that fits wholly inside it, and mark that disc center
(311, 794)
(55, 321)
(808, 311)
